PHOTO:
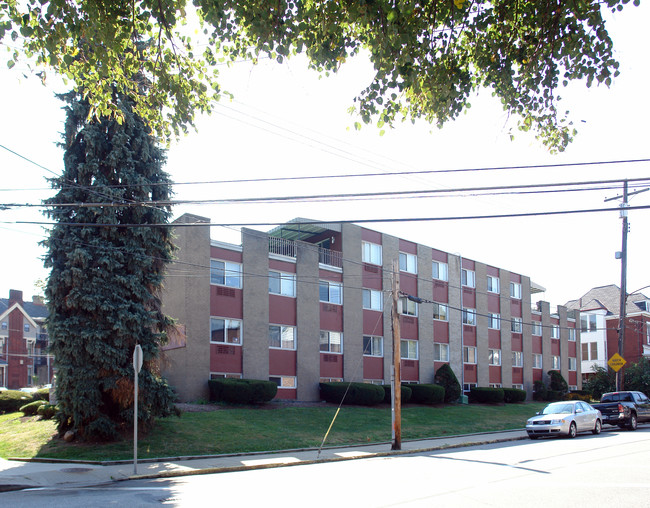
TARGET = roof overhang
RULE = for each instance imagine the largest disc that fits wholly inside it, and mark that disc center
(303, 229)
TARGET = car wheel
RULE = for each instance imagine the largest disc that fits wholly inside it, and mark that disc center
(597, 428)
(573, 430)
(632, 423)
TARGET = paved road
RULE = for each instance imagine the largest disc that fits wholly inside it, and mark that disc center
(607, 470)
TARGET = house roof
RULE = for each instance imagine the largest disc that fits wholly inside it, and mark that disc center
(607, 298)
(33, 310)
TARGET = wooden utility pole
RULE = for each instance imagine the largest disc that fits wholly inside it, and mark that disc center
(621, 323)
(396, 388)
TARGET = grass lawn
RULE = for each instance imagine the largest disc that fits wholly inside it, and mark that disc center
(273, 427)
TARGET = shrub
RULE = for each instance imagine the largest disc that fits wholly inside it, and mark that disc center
(47, 411)
(558, 383)
(540, 392)
(446, 378)
(407, 393)
(241, 391)
(512, 395)
(12, 400)
(578, 395)
(364, 394)
(601, 381)
(552, 395)
(484, 395)
(42, 394)
(427, 393)
(31, 408)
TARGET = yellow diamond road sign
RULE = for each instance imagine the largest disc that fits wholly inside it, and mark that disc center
(616, 362)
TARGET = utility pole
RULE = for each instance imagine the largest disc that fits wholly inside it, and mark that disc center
(396, 388)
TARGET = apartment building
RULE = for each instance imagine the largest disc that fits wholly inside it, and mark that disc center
(310, 302)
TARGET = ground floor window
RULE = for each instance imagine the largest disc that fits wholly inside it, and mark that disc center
(284, 381)
(518, 387)
(224, 375)
(495, 385)
(330, 380)
(374, 381)
(468, 386)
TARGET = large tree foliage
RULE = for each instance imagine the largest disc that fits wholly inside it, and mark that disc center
(637, 376)
(103, 290)
(429, 55)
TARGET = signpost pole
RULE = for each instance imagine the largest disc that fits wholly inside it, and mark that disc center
(137, 365)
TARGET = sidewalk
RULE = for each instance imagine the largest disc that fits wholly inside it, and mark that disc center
(24, 474)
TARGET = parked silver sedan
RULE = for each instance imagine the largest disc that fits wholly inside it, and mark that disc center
(565, 418)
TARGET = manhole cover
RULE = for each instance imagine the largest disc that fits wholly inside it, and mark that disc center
(76, 469)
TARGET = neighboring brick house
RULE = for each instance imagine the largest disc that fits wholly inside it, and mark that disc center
(23, 341)
(311, 302)
(600, 310)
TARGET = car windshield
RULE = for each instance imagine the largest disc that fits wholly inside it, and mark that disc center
(616, 397)
(558, 408)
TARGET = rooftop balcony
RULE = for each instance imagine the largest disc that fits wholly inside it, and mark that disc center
(284, 247)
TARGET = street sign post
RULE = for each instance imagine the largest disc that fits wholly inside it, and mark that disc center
(137, 366)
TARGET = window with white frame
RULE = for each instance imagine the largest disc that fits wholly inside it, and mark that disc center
(555, 332)
(408, 262)
(440, 312)
(515, 290)
(493, 284)
(225, 331)
(225, 273)
(590, 351)
(573, 388)
(494, 321)
(518, 386)
(372, 300)
(407, 307)
(282, 337)
(4, 325)
(331, 342)
(516, 325)
(371, 253)
(284, 382)
(373, 345)
(469, 354)
(573, 364)
(517, 359)
(494, 357)
(282, 283)
(537, 328)
(495, 385)
(440, 270)
(224, 375)
(555, 362)
(330, 292)
(469, 317)
(572, 334)
(409, 349)
(468, 278)
(588, 323)
(440, 352)
(647, 332)
(467, 387)
(26, 327)
(537, 361)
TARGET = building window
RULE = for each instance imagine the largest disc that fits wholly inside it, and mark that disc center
(26, 327)
(330, 380)
(440, 271)
(286, 382)
(440, 312)
(4, 325)
(372, 300)
(373, 346)
(282, 283)
(440, 352)
(590, 351)
(555, 364)
(573, 388)
(282, 337)
(516, 325)
(494, 357)
(493, 284)
(331, 342)
(495, 385)
(494, 321)
(224, 375)
(469, 317)
(518, 386)
(537, 361)
(517, 359)
(225, 331)
(330, 292)
(371, 253)
(467, 387)
(469, 354)
(555, 332)
(407, 307)
(573, 363)
(468, 278)
(225, 273)
(588, 323)
(409, 349)
(408, 262)
(572, 334)
(537, 328)
(515, 290)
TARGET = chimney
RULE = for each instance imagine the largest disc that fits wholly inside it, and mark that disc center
(15, 296)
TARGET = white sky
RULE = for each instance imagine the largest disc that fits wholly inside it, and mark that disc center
(285, 121)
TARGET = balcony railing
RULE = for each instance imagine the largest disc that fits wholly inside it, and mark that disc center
(330, 257)
(282, 246)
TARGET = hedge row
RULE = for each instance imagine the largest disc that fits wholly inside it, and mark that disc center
(363, 394)
(513, 395)
(427, 393)
(406, 392)
(12, 400)
(241, 391)
(486, 395)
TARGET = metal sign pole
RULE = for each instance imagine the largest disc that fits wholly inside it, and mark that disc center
(137, 365)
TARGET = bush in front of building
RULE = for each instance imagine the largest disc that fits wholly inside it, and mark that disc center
(558, 383)
(363, 394)
(46, 411)
(513, 395)
(406, 392)
(540, 391)
(31, 408)
(486, 395)
(42, 394)
(446, 378)
(427, 393)
(241, 391)
(578, 395)
(12, 400)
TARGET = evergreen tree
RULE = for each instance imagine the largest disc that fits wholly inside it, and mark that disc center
(446, 378)
(103, 291)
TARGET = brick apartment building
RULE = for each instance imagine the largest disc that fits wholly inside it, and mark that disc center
(308, 302)
(23, 341)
